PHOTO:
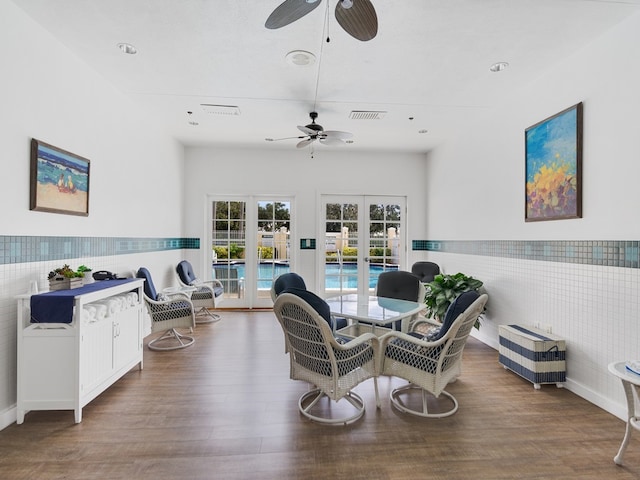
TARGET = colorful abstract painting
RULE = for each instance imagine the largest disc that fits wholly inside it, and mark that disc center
(553, 167)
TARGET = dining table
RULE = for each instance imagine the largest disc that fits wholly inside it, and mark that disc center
(373, 314)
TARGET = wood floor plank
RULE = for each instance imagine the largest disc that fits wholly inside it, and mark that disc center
(226, 409)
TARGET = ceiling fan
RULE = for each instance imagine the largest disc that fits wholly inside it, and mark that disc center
(314, 131)
(357, 17)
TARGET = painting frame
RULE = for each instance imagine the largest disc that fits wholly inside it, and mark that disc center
(553, 167)
(59, 180)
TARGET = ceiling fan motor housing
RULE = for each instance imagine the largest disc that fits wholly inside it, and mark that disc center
(313, 125)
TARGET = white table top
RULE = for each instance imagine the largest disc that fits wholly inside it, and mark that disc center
(620, 370)
(371, 309)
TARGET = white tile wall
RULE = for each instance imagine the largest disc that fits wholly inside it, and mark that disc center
(595, 309)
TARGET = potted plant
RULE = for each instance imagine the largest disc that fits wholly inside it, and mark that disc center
(64, 278)
(86, 273)
(444, 289)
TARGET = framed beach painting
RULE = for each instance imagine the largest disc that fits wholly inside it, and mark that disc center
(59, 180)
(553, 171)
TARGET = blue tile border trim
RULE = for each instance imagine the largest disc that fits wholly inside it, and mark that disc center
(612, 253)
(24, 249)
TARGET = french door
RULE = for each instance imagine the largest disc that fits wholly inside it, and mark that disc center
(250, 238)
(364, 236)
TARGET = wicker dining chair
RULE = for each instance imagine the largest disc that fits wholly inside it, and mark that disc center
(429, 363)
(403, 286)
(167, 314)
(317, 357)
(208, 294)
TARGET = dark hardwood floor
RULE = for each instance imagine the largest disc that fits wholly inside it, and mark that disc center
(226, 409)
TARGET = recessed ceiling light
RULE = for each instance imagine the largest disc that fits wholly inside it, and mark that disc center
(498, 67)
(300, 58)
(127, 48)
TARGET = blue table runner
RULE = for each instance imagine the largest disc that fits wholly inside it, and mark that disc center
(57, 306)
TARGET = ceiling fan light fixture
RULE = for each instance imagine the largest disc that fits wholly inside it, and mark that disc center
(499, 66)
(300, 58)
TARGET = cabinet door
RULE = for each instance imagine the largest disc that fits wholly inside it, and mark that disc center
(96, 352)
(127, 342)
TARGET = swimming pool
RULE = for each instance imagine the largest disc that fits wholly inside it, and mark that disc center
(336, 276)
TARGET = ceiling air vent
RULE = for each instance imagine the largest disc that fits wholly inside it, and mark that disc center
(220, 109)
(366, 115)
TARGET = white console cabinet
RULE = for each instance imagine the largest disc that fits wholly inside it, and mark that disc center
(63, 366)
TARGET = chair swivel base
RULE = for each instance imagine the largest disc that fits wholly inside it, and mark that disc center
(310, 399)
(412, 390)
(170, 340)
(205, 316)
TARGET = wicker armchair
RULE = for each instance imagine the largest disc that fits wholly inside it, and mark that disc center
(208, 294)
(316, 357)
(167, 314)
(433, 361)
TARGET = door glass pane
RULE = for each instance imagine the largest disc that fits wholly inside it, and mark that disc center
(229, 244)
(274, 224)
(384, 239)
(341, 243)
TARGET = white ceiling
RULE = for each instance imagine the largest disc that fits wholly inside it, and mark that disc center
(430, 61)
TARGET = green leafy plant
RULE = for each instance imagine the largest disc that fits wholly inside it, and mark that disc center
(65, 271)
(84, 269)
(444, 289)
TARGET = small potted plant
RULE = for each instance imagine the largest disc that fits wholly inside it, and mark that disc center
(86, 273)
(64, 278)
(444, 289)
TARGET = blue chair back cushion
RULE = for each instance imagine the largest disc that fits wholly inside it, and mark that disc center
(425, 271)
(185, 272)
(459, 305)
(412, 354)
(288, 280)
(317, 303)
(398, 284)
(149, 287)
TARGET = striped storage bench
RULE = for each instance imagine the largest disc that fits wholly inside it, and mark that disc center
(533, 354)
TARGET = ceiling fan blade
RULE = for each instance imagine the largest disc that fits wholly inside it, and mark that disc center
(358, 18)
(288, 12)
(331, 141)
(305, 142)
(307, 130)
(337, 134)
(284, 138)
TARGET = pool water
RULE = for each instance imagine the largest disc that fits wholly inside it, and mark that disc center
(334, 276)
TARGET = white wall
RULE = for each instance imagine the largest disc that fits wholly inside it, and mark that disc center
(136, 169)
(595, 308)
(292, 172)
